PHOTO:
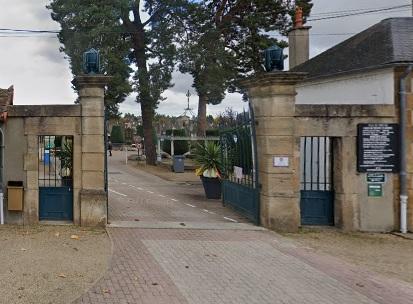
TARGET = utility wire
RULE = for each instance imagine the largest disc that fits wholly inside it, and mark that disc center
(355, 12)
(26, 36)
(29, 31)
(351, 11)
(361, 13)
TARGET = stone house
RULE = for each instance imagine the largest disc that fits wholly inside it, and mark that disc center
(313, 115)
(366, 70)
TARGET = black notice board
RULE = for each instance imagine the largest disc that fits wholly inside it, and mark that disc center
(378, 148)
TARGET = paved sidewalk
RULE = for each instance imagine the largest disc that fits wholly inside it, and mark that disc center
(153, 262)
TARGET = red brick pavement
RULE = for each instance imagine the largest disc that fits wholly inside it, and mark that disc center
(153, 266)
(135, 276)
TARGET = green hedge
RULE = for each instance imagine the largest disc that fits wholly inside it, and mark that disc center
(139, 131)
(212, 133)
(180, 146)
(116, 136)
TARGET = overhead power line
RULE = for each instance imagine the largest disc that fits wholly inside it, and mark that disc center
(29, 31)
(362, 12)
(15, 33)
(350, 11)
(27, 36)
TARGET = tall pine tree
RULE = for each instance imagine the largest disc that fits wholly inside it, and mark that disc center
(132, 33)
(225, 40)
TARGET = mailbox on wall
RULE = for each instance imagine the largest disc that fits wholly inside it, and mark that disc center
(15, 196)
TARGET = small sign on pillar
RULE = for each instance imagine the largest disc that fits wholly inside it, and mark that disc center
(281, 161)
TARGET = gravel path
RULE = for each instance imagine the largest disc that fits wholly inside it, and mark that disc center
(50, 264)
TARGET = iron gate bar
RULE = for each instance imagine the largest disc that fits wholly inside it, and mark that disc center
(318, 164)
(238, 148)
(305, 167)
(316, 170)
(106, 143)
(55, 181)
(317, 195)
(311, 166)
(325, 164)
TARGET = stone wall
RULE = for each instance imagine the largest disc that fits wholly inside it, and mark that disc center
(85, 122)
(273, 100)
(24, 126)
(354, 209)
(280, 124)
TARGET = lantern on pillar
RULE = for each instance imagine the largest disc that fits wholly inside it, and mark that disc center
(274, 59)
(91, 62)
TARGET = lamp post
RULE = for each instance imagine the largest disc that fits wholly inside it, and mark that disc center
(91, 62)
(274, 59)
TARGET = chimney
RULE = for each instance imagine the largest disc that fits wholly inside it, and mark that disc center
(299, 40)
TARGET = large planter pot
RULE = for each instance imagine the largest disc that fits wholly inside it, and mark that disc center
(212, 187)
(67, 181)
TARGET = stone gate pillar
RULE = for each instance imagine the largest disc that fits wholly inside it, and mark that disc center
(93, 198)
(273, 99)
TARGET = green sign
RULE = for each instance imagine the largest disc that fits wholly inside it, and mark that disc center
(377, 178)
(375, 190)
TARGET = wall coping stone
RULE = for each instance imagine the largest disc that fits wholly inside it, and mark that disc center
(271, 78)
(302, 110)
(91, 81)
(44, 110)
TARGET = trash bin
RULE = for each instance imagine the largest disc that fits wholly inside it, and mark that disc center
(179, 163)
(46, 157)
(15, 196)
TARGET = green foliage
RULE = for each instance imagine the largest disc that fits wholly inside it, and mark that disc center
(124, 34)
(238, 147)
(212, 133)
(204, 55)
(139, 130)
(116, 136)
(66, 157)
(180, 146)
(208, 157)
(225, 42)
(80, 32)
(58, 141)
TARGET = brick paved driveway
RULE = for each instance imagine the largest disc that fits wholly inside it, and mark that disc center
(224, 260)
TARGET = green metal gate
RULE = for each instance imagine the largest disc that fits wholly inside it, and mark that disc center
(240, 187)
(317, 194)
(56, 178)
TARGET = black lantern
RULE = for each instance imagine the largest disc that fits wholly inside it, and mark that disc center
(274, 59)
(91, 62)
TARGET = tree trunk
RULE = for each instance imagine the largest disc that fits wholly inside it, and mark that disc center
(150, 145)
(145, 98)
(202, 109)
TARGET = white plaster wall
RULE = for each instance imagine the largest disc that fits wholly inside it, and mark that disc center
(364, 88)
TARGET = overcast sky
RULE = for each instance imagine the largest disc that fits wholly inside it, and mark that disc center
(41, 74)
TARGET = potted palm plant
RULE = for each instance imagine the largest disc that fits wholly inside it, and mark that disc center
(66, 159)
(208, 158)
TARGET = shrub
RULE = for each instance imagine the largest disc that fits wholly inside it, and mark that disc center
(208, 159)
(212, 133)
(116, 136)
(139, 131)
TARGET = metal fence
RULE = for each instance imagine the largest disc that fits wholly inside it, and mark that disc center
(316, 164)
(240, 184)
(55, 161)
